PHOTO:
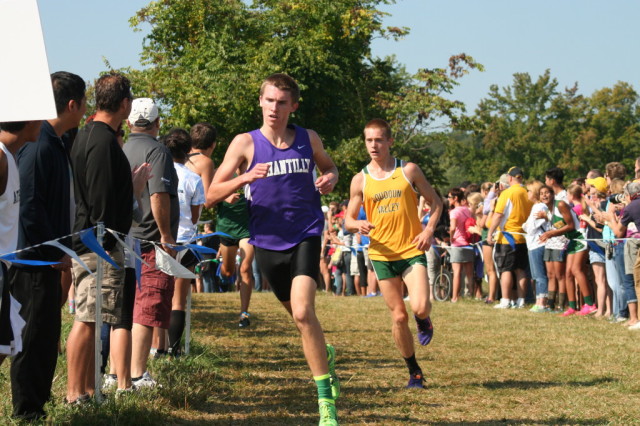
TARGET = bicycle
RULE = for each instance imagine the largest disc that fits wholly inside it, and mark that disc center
(443, 284)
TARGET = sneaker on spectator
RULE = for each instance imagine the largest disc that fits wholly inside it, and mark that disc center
(416, 380)
(504, 304)
(587, 310)
(537, 309)
(519, 303)
(569, 312)
(425, 330)
(146, 381)
(244, 320)
(635, 326)
(109, 381)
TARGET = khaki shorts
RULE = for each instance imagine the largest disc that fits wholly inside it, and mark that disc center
(112, 288)
(636, 273)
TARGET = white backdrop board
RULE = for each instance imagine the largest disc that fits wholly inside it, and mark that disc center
(25, 83)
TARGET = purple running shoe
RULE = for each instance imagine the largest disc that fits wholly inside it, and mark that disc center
(425, 330)
(416, 380)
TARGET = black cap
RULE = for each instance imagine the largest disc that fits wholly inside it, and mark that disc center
(515, 171)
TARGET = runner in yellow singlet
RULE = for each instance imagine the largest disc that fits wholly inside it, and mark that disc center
(389, 190)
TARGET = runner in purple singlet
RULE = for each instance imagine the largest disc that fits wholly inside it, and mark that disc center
(278, 165)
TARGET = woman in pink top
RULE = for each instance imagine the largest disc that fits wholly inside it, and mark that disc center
(461, 252)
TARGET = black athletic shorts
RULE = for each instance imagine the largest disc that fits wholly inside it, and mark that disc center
(187, 258)
(508, 259)
(6, 332)
(229, 242)
(129, 297)
(280, 267)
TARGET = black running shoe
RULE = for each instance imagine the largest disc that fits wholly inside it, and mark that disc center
(244, 320)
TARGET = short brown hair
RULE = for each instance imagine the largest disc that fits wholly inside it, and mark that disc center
(203, 135)
(616, 170)
(283, 82)
(110, 90)
(379, 123)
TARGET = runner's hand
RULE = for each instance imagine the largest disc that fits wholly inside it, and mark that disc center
(544, 237)
(259, 171)
(423, 241)
(365, 227)
(325, 184)
(233, 198)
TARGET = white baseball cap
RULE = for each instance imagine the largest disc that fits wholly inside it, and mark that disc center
(144, 111)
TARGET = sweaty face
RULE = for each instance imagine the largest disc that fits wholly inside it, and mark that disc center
(377, 143)
(276, 105)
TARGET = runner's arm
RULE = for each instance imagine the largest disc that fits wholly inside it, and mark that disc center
(568, 220)
(420, 182)
(223, 183)
(352, 224)
(325, 165)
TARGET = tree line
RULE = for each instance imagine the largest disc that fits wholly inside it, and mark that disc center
(204, 61)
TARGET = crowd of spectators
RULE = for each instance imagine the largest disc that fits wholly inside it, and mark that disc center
(64, 181)
(570, 250)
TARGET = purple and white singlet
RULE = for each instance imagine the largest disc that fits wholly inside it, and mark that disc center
(284, 207)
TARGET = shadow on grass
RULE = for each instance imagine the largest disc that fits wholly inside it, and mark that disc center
(553, 421)
(110, 413)
(532, 384)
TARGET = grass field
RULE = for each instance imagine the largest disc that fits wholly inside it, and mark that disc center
(484, 366)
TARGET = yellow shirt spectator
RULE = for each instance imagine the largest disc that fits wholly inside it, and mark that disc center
(514, 204)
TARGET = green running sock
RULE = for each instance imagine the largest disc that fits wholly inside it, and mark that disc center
(588, 300)
(573, 305)
(324, 386)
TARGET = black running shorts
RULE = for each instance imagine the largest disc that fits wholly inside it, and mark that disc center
(508, 259)
(280, 267)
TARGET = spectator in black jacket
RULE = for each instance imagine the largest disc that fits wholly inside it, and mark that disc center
(45, 215)
(103, 193)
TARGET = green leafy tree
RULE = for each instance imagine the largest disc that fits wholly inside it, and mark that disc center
(536, 126)
(611, 130)
(205, 61)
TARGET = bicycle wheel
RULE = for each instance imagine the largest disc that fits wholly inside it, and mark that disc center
(442, 286)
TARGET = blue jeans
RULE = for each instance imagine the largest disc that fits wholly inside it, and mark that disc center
(629, 289)
(614, 268)
(539, 271)
(207, 276)
(346, 268)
